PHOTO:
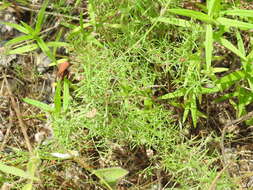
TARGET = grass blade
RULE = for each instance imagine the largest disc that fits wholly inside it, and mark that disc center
(174, 21)
(38, 104)
(19, 39)
(56, 40)
(40, 17)
(239, 12)
(213, 6)
(57, 98)
(232, 48)
(45, 48)
(177, 93)
(186, 111)
(66, 95)
(92, 15)
(57, 44)
(235, 23)
(193, 14)
(29, 28)
(16, 26)
(240, 43)
(15, 171)
(209, 46)
(194, 110)
(228, 80)
(23, 49)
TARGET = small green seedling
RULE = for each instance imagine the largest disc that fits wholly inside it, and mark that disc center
(31, 34)
(61, 102)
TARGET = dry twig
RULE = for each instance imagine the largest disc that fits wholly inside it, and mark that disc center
(18, 114)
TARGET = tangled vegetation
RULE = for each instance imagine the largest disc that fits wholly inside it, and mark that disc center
(144, 94)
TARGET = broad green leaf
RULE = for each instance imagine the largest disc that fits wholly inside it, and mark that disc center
(193, 14)
(232, 48)
(239, 12)
(15, 171)
(16, 26)
(57, 98)
(66, 96)
(240, 43)
(174, 21)
(40, 17)
(194, 110)
(213, 5)
(110, 175)
(177, 93)
(38, 104)
(19, 39)
(230, 79)
(209, 46)
(23, 49)
(234, 23)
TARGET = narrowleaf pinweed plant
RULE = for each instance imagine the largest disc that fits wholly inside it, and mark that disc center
(126, 56)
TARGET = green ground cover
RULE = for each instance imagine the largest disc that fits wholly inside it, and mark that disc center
(143, 72)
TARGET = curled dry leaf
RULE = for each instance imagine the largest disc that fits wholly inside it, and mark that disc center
(92, 113)
(62, 68)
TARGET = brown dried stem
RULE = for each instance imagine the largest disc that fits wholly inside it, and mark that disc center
(18, 114)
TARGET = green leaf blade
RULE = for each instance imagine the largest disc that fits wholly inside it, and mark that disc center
(232, 48)
(19, 39)
(193, 14)
(16, 26)
(38, 104)
(40, 17)
(239, 12)
(177, 93)
(213, 5)
(57, 98)
(174, 21)
(66, 95)
(209, 46)
(111, 175)
(235, 23)
(15, 171)
(23, 49)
